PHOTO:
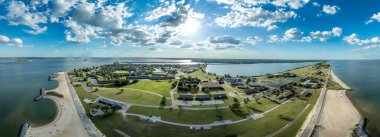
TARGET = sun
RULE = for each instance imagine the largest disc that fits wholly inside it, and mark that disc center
(190, 27)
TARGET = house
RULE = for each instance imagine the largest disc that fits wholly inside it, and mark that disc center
(249, 91)
(220, 96)
(202, 97)
(111, 103)
(211, 86)
(185, 97)
(284, 95)
(76, 84)
(304, 93)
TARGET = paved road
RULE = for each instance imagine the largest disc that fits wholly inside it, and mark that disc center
(317, 112)
(89, 126)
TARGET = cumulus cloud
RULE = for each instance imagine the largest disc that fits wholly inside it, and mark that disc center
(273, 38)
(328, 9)
(295, 34)
(8, 41)
(325, 35)
(255, 17)
(316, 4)
(253, 40)
(20, 14)
(294, 4)
(224, 39)
(354, 40)
(375, 17)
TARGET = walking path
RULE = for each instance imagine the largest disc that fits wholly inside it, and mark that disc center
(206, 126)
(68, 122)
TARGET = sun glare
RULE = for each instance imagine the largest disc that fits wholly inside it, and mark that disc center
(190, 27)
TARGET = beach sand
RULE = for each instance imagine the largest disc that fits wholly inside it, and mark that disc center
(67, 123)
(338, 116)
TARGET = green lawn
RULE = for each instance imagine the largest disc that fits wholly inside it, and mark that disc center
(201, 75)
(309, 71)
(84, 94)
(296, 126)
(260, 105)
(187, 116)
(120, 72)
(160, 87)
(129, 95)
(134, 126)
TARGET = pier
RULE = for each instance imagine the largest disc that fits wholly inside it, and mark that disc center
(23, 129)
(41, 95)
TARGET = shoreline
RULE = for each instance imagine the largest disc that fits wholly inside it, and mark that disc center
(67, 121)
(339, 115)
(344, 85)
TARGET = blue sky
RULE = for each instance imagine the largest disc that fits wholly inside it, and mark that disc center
(262, 29)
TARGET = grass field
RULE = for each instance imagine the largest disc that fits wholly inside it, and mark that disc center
(84, 94)
(261, 105)
(132, 96)
(187, 116)
(120, 72)
(271, 122)
(309, 71)
(200, 74)
(160, 87)
(296, 126)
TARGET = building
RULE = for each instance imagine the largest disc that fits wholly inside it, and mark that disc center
(211, 86)
(185, 97)
(220, 96)
(111, 103)
(96, 112)
(202, 97)
(249, 91)
(76, 84)
(304, 93)
(284, 95)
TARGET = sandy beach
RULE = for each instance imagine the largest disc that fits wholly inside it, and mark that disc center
(67, 123)
(338, 116)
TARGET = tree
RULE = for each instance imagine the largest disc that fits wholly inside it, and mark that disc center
(163, 101)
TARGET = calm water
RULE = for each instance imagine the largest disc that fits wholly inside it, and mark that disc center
(364, 78)
(253, 69)
(20, 83)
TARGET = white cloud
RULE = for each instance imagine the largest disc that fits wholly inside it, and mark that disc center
(255, 17)
(330, 9)
(8, 41)
(294, 4)
(316, 4)
(253, 40)
(20, 14)
(224, 39)
(375, 17)
(295, 34)
(325, 35)
(354, 40)
(273, 38)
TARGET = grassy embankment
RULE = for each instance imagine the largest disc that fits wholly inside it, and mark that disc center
(82, 94)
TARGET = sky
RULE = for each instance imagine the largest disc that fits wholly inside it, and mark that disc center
(245, 29)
